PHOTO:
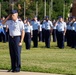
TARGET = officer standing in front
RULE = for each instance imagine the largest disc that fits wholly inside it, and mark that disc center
(16, 36)
(61, 30)
(48, 31)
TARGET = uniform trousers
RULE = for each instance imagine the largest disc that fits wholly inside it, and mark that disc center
(2, 37)
(60, 39)
(47, 38)
(27, 40)
(68, 37)
(15, 51)
(35, 38)
(40, 35)
(73, 38)
(43, 35)
(54, 35)
(5, 34)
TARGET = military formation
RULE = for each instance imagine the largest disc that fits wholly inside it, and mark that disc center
(41, 31)
(15, 31)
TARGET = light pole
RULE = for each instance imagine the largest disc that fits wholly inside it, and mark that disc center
(0, 9)
(12, 5)
(64, 10)
(50, 8)
(24, 10)
(36, 8)
(44, 8)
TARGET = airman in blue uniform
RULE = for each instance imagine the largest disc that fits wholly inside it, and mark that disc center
(61, 30)
(54, 31)
(40, 32)
(68, 31)
(72, 33)
(35, 25)
(2, 33)
(4, 27)
(43, 31)
(16, 36)
(28, 35)
(48, 31)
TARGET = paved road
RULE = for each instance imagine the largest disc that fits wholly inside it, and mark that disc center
(4, 72)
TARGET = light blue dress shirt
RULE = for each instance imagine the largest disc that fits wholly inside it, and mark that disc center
(74, 26)
(28, 28)
(40, 27)
(61, 26)
(68, 26)
(1, 28)
(48, 25)
(15, 27)
(35, 25)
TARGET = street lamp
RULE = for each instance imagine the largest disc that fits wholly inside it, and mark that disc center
(64, 1)
(36, 8)
(12, 5)
(50, 8)
(0, 9)
(44, 8)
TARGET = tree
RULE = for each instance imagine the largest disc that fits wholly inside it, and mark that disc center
(31, 8)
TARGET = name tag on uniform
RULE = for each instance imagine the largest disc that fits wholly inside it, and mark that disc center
(0, 26)
(73, 28)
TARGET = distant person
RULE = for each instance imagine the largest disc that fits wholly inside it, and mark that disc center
(28, 35)
(68, 32)
(35, 25)
(54, 31)
(2, 33)
(61, 31)
(43, 31)
(73, 31)
(40, 33)
(48, 32)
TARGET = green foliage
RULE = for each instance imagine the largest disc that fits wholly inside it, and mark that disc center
(30, 7)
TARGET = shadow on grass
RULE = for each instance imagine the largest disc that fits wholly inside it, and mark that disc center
(51, 47)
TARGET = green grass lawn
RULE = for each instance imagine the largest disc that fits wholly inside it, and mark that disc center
(49, 60)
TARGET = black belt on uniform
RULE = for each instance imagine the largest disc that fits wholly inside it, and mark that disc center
(14, 36)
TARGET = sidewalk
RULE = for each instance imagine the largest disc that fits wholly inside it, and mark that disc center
(4, 72)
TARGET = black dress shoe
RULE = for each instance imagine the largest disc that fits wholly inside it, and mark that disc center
(16, 70)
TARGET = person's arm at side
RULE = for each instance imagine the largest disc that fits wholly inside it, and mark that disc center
(65, 29)
(22, 37)
(6, 28)
(51, 25)
(22, 33)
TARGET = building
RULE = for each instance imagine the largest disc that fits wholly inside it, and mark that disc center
(74, 8)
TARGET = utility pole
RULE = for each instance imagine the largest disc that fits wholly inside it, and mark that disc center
(24, 10)
(64, 10)
(36, 8)
(44, 8)
(12, 5)
(0, 9)
(50, 8)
